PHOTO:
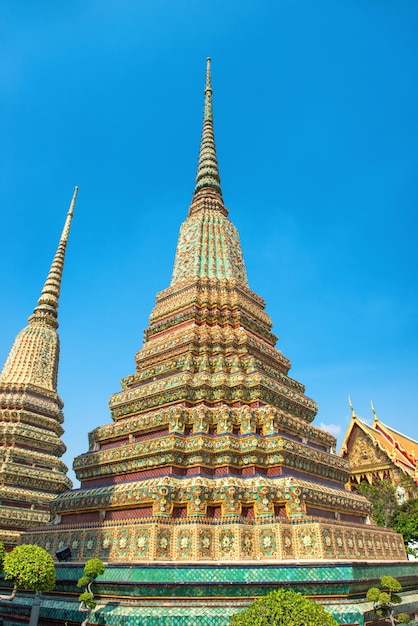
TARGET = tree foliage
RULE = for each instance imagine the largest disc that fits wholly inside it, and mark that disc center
(92, 569)
(382, 495)
(385, 598)
(283, 608)
(30, 567)
(406, 522)
(387, 511)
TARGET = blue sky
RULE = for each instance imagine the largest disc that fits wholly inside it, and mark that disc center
(317, 137)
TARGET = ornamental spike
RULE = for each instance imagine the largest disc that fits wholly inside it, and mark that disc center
(373, 411)
(207, 171)
(353, 414)
(48, 301)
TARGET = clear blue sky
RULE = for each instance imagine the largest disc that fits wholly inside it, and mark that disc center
(316, 126)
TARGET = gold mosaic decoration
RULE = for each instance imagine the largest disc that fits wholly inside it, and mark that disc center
(31, 473)
(212, 454)
(378, 452)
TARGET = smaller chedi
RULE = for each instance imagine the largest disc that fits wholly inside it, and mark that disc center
(378, 452)
(31, 472)
(211, 454)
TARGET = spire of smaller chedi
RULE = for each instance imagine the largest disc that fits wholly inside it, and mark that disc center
(48, 302)
(31, 472)
(35, 352)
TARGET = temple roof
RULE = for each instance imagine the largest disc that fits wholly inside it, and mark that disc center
(399, 448)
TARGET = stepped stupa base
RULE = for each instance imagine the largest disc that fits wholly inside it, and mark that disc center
(186, 594)
(170, 540)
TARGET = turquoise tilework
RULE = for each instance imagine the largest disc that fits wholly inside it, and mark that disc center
(166, 616)
(242, 574)
(114, 614)
(208, 595)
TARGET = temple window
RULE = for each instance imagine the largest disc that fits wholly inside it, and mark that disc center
(214, 512)
(280, 510)
(179, 512)
(248, 512)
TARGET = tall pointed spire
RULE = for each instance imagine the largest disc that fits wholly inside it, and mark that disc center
(34, 356)
(207, 170)
(31, 472)
(48, 302)
(208, 245)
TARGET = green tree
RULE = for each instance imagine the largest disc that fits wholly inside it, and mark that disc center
(387, 511)
(386, 598)
(92, 569)
(283, 608)
(409, 485)
(382, 495)
(31, 568)
(406, 522)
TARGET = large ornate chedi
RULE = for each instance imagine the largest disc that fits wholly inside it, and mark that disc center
(212, 454)
(31, 472)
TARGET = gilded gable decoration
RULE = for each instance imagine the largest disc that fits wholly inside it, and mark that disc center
(377, 452)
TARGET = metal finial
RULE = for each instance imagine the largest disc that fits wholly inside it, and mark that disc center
(208, 83)
(373, 411)
(207, 169)
(351, 407)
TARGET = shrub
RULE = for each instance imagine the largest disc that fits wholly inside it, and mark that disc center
(283, 608)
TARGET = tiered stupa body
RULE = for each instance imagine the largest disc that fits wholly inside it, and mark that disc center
(211, 454)
(31, 472)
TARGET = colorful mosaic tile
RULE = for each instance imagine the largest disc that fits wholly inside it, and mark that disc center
(211, 457)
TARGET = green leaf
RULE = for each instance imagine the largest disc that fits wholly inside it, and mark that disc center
(384, 597)
(373, 594)
(87, 599)
(30, 567)
(388, 582)
(283, 608)
(382, 495)
(93, 568)
(83, 581)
